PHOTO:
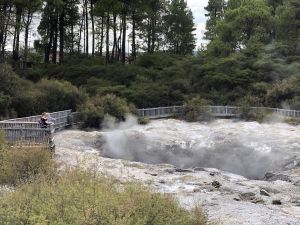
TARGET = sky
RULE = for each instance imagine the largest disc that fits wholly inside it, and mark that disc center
(197, 7)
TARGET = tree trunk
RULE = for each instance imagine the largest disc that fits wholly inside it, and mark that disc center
(55, 39)
(119, 42)
(124, 40)
(153, 35)
(93, 28)
(133, 54)
(114, 50)
(16, 48)
(149, 37)
(5, 19)
(107, 38)
(61, 35)
(49, 44)
(27, 24)
(87, 27)
(102, 36)
(80, 32)
(72, 38)
(2, 30)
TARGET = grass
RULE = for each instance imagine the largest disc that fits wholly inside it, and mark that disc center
(18, 165)
(45, 196)
(79, 197)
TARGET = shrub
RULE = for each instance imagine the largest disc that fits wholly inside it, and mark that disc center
(23, 164)
(143, 120)
(92, 115)
(249, 114)
(195, 110)
(59, 95)
(282, 91)
(83, 198)
(97, 107)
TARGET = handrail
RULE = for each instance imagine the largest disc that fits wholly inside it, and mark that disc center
(28, 131)
(162, 112)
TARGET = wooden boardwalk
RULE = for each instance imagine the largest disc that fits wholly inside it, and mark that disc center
(27, 130)
(216, 111)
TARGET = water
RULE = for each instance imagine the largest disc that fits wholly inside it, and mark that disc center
(246, 148)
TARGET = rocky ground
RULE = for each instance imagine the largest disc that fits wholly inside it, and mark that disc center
(228, 198)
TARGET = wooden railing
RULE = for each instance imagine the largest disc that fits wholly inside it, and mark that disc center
(217, 111)
(27, 130)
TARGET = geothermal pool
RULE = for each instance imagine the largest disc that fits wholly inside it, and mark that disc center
(187, 159)
(249, 149)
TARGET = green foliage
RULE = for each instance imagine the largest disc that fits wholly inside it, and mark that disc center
(24, 98)
(195, 110)
(79, 197)
(249, 113)
(23, 163)
(179, 26)
(143, 120)
(96, 108)
(282, 91)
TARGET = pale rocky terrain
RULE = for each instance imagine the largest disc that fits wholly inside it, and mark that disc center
(226, 197)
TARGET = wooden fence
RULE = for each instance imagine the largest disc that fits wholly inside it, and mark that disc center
(27, 130)
(217, 111)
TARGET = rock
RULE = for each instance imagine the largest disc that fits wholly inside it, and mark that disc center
(250, 197)
(292, 165)
(264, 192)
(247, 196)
(270, 176)
(276, 202)
(162, 181)
(196, 190)
(297, 183)
(183, 170)
(216, 184)
(152, 174)
(171, 171)
(257, 200)
(199, 169)
(212, 174)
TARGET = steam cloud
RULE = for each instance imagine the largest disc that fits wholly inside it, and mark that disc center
(246, 148)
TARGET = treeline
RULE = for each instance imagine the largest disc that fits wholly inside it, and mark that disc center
(115, 29)
(253, 53)
(252, 59)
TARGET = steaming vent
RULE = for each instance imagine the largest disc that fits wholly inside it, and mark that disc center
(249, 149)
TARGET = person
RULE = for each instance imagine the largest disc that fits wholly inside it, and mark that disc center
(44, 120)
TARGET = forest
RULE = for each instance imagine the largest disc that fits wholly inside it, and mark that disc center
(144, 52)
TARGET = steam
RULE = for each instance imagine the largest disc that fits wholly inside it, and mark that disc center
(246, 148)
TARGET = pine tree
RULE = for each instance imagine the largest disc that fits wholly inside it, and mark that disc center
(179, 28)
(215, 9)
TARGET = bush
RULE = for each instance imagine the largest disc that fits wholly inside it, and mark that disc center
(23, 164)
(194, 109)
(282, 91)
(249, 114)
(143, 120)
(83, 198)
(97, 107)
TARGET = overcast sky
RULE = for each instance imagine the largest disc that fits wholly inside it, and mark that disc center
(197, 7)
